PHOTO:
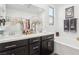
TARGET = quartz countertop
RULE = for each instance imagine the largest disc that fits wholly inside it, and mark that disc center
(10, 38)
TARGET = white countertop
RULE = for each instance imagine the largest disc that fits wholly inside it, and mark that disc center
(4, 39)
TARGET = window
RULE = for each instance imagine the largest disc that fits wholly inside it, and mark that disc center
(51, 15)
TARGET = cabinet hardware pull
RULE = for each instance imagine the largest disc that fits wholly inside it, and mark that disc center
(36, 47)
(10, 46)
(35, 40)
(49, 37)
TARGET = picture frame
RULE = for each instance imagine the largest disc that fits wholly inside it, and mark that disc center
(73, 24)
(69, 12)
(66, 25)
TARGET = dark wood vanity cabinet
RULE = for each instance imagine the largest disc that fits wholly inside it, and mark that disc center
(14, 48)
(47, 44)
(22, 47)
(43, 45)
(34, 46)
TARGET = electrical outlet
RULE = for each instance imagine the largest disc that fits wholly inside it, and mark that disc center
(78, 38)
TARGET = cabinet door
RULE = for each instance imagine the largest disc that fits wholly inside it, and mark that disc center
(21, 51)
(44, 47)
(34, 40)
(34, 48)
(50, 45)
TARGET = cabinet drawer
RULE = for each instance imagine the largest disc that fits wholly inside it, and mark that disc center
(9, 45)
(33, 40)
(48, 37)
(21, 50)
(5, 53)
(34, 48)
(36, 53)
(17, 51)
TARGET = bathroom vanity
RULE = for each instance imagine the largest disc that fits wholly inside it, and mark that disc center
(27, 45)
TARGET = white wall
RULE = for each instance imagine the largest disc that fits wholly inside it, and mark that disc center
(70, 36)
(45, 18)
(67, 37)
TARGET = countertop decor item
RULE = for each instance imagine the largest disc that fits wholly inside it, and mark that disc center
(2, 21)
(36, 24)
(26, 26)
